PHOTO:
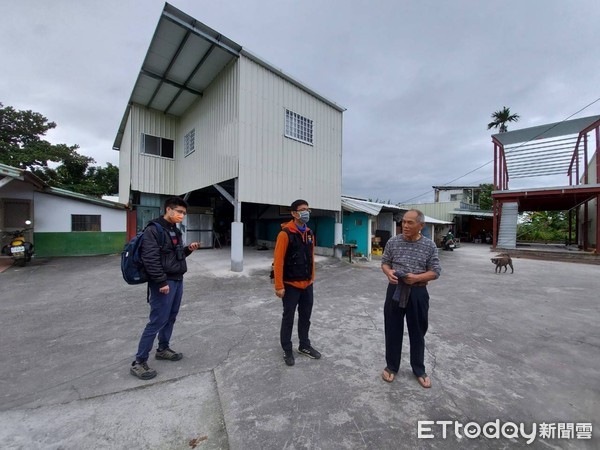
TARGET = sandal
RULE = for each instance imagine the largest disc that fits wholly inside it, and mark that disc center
(424, 381)
(387, 375)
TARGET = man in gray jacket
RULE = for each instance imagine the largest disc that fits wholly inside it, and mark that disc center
(163, 256)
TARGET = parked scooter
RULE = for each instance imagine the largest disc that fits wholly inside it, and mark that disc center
(20, 249)
(448, 242)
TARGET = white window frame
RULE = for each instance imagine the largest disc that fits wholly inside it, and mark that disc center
(298, 128)
(160, 146)
(189, 143)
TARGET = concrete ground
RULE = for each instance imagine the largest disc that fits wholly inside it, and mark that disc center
(521, 348)
(5, 263)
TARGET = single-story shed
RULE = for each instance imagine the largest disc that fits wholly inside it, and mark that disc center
(370, 224)
(64, 223)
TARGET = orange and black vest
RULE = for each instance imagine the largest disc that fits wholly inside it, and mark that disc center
(298, 262)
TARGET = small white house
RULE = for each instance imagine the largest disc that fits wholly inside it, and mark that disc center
(64, 223)
(234, 135)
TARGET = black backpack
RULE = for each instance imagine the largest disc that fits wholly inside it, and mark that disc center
(132, 267)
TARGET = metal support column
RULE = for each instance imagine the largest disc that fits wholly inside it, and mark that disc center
(237, 233)
(237, 228)
(598, 196)
(338, 236)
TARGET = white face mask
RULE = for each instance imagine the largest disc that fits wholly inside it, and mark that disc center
(304, 216)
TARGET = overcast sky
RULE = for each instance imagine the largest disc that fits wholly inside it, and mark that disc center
(419, 79)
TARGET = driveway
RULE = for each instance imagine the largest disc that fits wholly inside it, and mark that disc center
(520, 348)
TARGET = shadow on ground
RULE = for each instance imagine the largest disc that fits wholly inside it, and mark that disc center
(520, 347)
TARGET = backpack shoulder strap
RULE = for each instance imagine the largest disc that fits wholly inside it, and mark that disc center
(160, 230)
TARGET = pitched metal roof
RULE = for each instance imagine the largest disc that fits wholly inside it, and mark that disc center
(10, 173)
(371, 208)
(542, 150)
(462, 212)
(84, 198)
(546, 131)
(184, 57)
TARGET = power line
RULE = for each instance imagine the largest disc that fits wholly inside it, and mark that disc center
(512, 150)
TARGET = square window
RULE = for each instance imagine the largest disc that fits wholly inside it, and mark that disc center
(298, 127)
(151, 145)
(85, 222)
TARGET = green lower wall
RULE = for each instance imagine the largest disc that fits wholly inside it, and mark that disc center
(78, 243)
(355, 231)
(323, 228)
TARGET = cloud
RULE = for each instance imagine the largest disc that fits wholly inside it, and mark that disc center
(419, 79)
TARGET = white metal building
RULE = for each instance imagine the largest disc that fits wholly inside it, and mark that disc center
(234, 135)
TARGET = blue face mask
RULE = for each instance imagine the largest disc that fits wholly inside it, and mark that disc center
(304, 216)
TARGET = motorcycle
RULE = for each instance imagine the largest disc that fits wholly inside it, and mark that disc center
(18, 248)
(448, 242)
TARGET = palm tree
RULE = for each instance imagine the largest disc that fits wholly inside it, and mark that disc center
(501, 118)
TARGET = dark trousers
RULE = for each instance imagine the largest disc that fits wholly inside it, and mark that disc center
(163, 313)
(416, 313)
(303, 299)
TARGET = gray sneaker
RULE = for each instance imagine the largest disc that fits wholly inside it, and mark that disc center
(310, 352)
(142, 371)
(168, 354)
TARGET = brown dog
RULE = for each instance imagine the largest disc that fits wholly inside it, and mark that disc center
(503, 260)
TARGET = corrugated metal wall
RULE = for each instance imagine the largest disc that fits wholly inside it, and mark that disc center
(437, 210)
(275, 169)
(215, 120)
(125, 165)
(507, 234)
(239, 131)
(149, 173)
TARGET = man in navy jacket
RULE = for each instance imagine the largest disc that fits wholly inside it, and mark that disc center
(164, 261)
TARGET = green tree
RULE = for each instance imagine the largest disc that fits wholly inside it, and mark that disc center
(501, 118)
(104, 180)
(22, 146)
(20, 140)
(544, 226)
(485, 196)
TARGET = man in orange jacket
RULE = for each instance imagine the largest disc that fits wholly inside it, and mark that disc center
(294, 273)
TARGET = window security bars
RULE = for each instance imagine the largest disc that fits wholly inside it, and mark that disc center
(298, 127)
(189, 142)
(85, 222)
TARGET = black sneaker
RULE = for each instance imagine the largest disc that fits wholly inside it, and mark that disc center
(142, 371)
(310, 352)
(168, 354)
(288, 357)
